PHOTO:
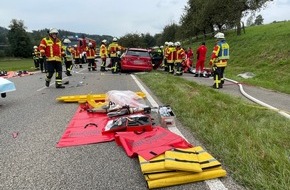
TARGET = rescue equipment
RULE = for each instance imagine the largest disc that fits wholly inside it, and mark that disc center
(6, 86)
(180, 166)
(150, 144)
(167, 117)
(85, 128)
(135, 122)
(182, 159)
(185, 178)
(96, 97)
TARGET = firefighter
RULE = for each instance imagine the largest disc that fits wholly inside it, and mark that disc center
(219, 59)
(36, 55)
(200, 56)
(114, 52)
(103, 54)
(165, 65)
(91, 57)
(50, 47)
(67, 56)
(180, 58)
(76, 56)
(170, 55)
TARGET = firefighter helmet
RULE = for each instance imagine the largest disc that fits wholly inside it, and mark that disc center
(177, 44)
(90, 44)
(220, 35)
(35, 47)
(170, 44)
(114, 39)
(66, 41)
(53, 31)
(166, 43)
(75, 45)
(104, 41)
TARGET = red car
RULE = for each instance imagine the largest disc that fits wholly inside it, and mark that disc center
(136, 59)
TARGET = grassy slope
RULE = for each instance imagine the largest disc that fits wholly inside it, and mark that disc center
(263, 50)
(253, 143)
(16, 64)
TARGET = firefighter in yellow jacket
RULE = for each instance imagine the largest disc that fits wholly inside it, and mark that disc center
(180, 57)
(103, 55)
(51, 48)
(114, 50)
(36, 55)
(170, 56)
(67, 56)
(219, 59)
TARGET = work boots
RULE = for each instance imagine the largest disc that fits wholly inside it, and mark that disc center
(47, 83)
(60, 86)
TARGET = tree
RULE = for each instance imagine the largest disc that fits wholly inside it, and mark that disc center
(259, 20)
(20, 43)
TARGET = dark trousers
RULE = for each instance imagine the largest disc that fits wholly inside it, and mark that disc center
(115, 64)
(54, 66)
(218, 76)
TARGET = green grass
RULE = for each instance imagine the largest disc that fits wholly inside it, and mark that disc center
(253, 143)
(16, 64)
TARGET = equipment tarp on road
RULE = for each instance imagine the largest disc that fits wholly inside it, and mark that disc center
(85, 128)
(151, 143)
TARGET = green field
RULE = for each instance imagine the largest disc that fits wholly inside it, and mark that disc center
(12, 64)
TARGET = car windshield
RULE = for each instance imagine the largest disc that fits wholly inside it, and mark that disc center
(138, 53)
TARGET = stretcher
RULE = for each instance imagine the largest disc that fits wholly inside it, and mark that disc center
(84, 98)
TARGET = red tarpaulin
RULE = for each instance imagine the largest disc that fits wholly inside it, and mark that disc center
(150, 144)
(85, 128)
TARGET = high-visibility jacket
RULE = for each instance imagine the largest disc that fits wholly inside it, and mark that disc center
(170, 54)
(91, 53)
(67, 53)
(201, 52)
(103, 51)
(220, 54)
(51, 49)
(36, 54)
(180, 55)
(76, 53)
(113, 48)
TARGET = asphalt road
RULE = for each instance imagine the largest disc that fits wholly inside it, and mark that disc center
(32, 122)
(277, 100)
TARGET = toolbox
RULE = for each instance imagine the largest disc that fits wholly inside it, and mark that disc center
(167, 117)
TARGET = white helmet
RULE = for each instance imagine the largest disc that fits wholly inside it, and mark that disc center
(114, 39)
(166, 43)
(220, 35)
(90, 44)
(53, 31)
(75, 45)
(104, 41)
(170, 44)
(161, 47)
(177, 44)
(66, 41)
(35, 47)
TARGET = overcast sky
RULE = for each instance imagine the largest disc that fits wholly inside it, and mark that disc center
(110, 17)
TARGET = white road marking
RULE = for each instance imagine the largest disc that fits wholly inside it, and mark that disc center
(213, 184)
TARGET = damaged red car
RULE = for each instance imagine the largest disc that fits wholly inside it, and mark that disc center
(136, 59)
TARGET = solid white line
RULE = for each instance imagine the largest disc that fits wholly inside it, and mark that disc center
(213, 184)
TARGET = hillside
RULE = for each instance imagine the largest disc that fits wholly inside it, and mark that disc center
(263, 50)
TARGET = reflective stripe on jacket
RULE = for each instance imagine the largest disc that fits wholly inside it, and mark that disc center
(220, 54)
(113, 48)
(103, 51)
(51, 49)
